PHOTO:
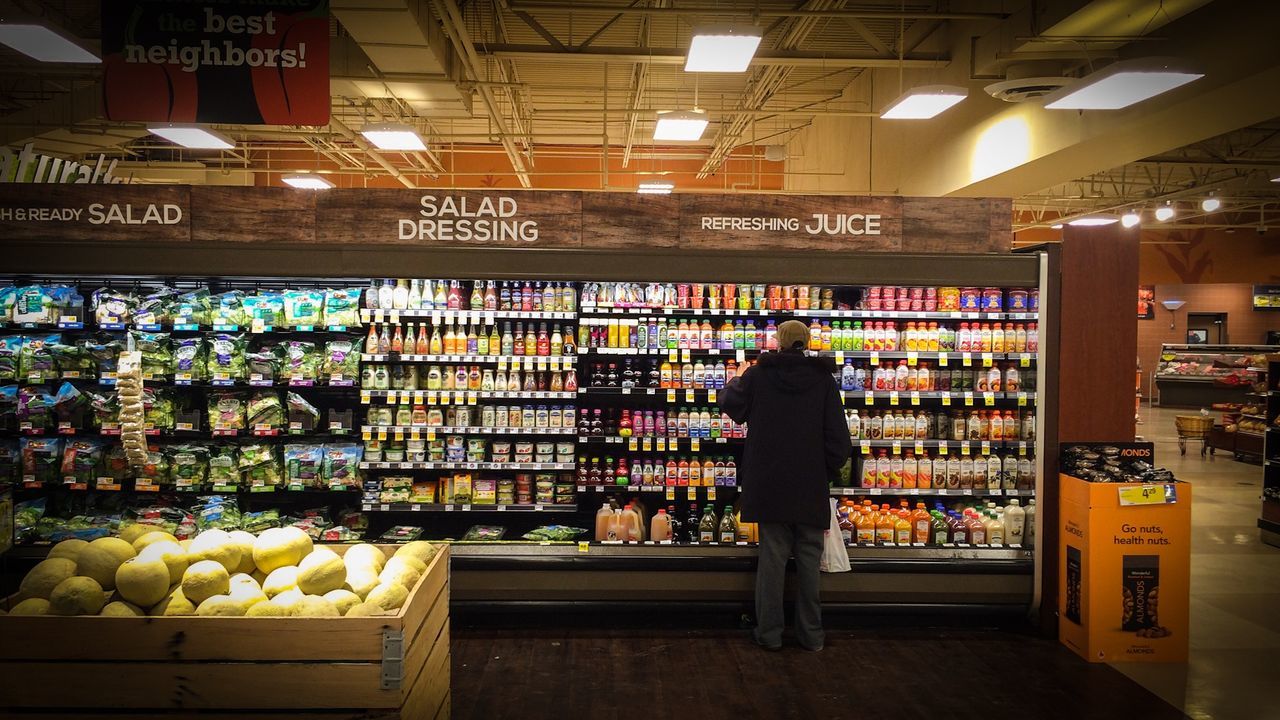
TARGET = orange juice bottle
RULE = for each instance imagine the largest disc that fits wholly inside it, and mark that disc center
(864, 528)
(902, 528)
(920, 522)
(910, 469)
(886, 526)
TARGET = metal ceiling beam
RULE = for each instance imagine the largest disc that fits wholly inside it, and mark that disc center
(747, 10)
(676, 56)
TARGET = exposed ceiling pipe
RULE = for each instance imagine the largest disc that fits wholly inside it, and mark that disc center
(752, 9)
(677, 56)
(359, 141)
(451, 19)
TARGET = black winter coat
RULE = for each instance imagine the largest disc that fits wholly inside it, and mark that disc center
(797, 439)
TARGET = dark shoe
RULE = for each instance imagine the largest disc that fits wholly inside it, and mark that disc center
(806, 648)
(769, 648)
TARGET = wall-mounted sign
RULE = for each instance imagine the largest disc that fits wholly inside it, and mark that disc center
(216, 61)
(27, 166)
(118, 212)
(1266, 297)
(1146, 302)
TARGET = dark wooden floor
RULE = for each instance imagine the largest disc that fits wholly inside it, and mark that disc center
(892, 674)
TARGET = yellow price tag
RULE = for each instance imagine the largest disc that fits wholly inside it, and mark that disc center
(692, 493)
(1024, 360)
(711, 396)
(417, 397)
(391, 397)
(398, 434)
(942, 359)
(257, 326)
(1022, 448)
(1022, 399)
(633, 443)
(673, 356)
(919, 447)
(915, 397)
(966, 359)
(866, 447)
(986, 447)
(695, 444)
(839, 357)
(988, 399)
(897, 447)
(986, 359)
(364, 397)
(688, 395)
(946, 398)
(869, 397)
(968, 398)
(415, 434)
(875, 357)
(431, 435)
(431, 399)
(893, 397)
(366, 435)
(584, 547)
(647, 444)
(684, 355)
(964, 448)
(942, 448)
(671, 396)
(379, 316)
(382, 434)
(471, 398)
(502, 363)
(711, 492)
(1146, 494)
(912, 358)
(662, 444)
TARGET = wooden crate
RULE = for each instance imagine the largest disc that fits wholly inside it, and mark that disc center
(375, 668)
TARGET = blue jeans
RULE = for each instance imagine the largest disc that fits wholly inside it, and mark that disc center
(779, 541)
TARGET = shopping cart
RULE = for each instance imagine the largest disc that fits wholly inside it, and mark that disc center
(1193, 427)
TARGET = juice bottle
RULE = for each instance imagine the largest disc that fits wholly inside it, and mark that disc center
(1029, 530)
(728, 528)
(939, 528)
(616, 529)
(920, 524)
(901, 527)
(660, 528)
(977, 529)
(706, 336)
(825, 337)
(864, 528)
(815, 335)
(634, 524)
(707, 526)
(959, 529)
(884, 472)
(869, 474)
(886, 528)
(995, 529)
(910, 470)
(604, 517)
(900, 376)
(770, 335)
(895, 471)
(1014, 522)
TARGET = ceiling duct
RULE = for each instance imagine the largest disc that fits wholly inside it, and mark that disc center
(414, 60)
(1028, 81)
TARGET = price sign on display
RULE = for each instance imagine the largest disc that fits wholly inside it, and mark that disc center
(1164, 494)
(915, 397)
(946, 398)
(875, 357)
(942, 359)
(966, 359)
(912, 358)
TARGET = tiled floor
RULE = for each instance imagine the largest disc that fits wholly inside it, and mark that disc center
(1235, 590)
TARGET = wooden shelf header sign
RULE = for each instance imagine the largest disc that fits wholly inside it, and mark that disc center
(505, 218)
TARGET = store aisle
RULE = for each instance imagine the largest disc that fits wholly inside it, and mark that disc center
(1235, 588)
(885, 673)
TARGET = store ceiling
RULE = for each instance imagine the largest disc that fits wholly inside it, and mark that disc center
(553, 88)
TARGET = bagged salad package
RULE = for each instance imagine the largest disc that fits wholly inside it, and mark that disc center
(160, 408)
(188, 464)
(302, 362)
(69, 404)
(105, 407)
(265, 411)
(193, 308)
(341, 361)
(8, 298)
(34, 304)
(155, 469)
(113, 306)
(10, 356)
(267, 306)
(81, 458)
(303, 464)
(105, 351)
(41, 459)
(303, 308)
(342, 307)
(226, 410)
(341, 464)
(8, 407)
(260, 466)
(157, 353)
(156, 307)
(298, 406)
(265, 362)
(189, 359)
(35, 408)
(75, 361)
(224, 466)
(228, 309)
(216, 511)
(226, 357)
(36, 358)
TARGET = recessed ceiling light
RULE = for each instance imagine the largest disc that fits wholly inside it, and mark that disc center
(1122, 84)
(307, 182)
(655, 188)
(722, 48)
(924, 102)
(192, 136)
(1094, 221)
(1130, 218)
(1165, 212)
(1210, 204)
(43, 43)
(682, 125)
(393, 136)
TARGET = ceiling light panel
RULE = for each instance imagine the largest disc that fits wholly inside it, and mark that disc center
(44, 43)
(1122, 84)
(192, 136)
(924, 102)
(655, 188)
(307, 182)
(722, 49)
(680, 125)
(393, 136)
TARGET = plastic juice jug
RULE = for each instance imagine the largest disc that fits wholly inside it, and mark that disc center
(939, 529)
(884, 472)
(815, 335)
(910, 471)
(959, 529)
(977, 530)
(1014, 522)
(864, 527)
(603, 518)
(921, 524)
(902, 528)
(617, 526)
(633, 529)
(728, 527)
(660, 528)
(995, 529)
(886, 527)
(895, 471)
(707, 526)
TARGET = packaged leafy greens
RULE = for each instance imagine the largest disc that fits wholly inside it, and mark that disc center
(342, 307)
(303, 464)
(33, 304)
(217, 511)
(67, 302)
(299, 406)
(256, 522)
(10, 461)
(228, 309)
(224, 465)
(265, 362)
(156, 308)
(157, 353)
(8, 407)
(341, 464)
(267, 306)
(105, 351)
(105, 407)
(41, 459)
(188, 464)
(113, 306)
(155, 469)
(74, 361)
(265, 410)
(115, 464)
(303, 308)
(193, 308)
(81, 458)
(554, 533)
(189, 361)
(341, 360)
(260, 466)
(8, 298)
(35, 408)
(36, 358)
(160, 408)
(226, 411)
(301, 360)
(226, 357)
(69, 402)
(10, 354)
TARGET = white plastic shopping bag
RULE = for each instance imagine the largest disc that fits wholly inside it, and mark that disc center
(835, 558)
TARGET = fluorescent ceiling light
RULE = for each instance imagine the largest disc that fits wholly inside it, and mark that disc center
(924, 102)
(722, 49)
(1165, 212)
(1275, 177)
(1210, 204)
(192, 136)
(1121, 84)
(1056, 226)
(680, 125)
(44, 43)
(307, 182)
(1130, 219)
(393, 136)
(655, 188)
(1094, 221)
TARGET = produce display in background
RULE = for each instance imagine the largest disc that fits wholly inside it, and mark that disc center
(278, 573)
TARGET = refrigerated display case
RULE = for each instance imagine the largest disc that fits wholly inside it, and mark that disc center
(424, 414)
(1268, 397)
(1207, 375)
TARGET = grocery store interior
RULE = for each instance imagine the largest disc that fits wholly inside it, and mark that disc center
(369, 358)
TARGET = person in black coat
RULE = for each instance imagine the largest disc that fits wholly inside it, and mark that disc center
(797, 441)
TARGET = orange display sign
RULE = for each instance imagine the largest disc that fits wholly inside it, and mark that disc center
(1125, 559)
